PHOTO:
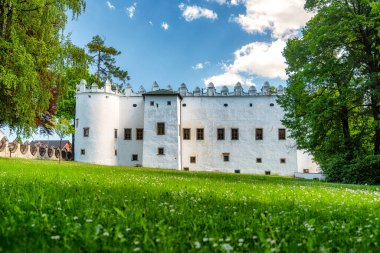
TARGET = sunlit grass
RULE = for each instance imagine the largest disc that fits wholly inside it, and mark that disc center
(47, 207)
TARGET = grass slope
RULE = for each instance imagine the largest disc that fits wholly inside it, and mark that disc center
(46, 207)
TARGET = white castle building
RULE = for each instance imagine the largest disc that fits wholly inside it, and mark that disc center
(203, 130)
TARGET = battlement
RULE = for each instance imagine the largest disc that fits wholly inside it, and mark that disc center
(238, 90)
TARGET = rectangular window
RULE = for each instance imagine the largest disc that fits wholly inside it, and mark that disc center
(282, 160)
(186, 168)
(139, 133)
(160, 151)
(169, 103)
(127, 133)
(220, 134)
(226, 157)
(86, 131)
(235, 134)
(200, 134)
(259, 133)
(135, 157)
(186, 133)
(281, 134)
(267, 172)
(76, 122)
(115, 133)
(160, 128)
(115, 152)
(258, 160)
(151, 103)
(82, 151)
(193, 159)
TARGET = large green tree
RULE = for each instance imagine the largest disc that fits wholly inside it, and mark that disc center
(31, 59)
(332, 100)
(105, 62)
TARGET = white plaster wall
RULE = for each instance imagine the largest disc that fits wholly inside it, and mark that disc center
(305, 161)
(100, 112)
(209, 113)
(130, 117)
(169, 114)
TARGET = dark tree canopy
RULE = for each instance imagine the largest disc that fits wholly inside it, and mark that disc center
(31, 60)
(332, 103)
(104, 60)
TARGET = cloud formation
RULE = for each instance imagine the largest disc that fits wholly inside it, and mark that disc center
(110, 6)
(254, 59)
(131, 10)
(165, 26)
(194, 12)
(283, 18)
(200, 65)
(228, 2)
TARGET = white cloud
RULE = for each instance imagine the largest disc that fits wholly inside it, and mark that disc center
(194, 12)
(151, 23)
(229, 79)
(131, 10)
(165, 26)
(254, 59)
(231, 2)
(200, 65)
(282, 17)
(110, 6)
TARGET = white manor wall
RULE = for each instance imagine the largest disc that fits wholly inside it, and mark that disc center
(99, 112)
(212, 113)
(131, 116)
(160, 111)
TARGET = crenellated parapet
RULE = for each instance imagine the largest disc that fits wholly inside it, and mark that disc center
(209, 91)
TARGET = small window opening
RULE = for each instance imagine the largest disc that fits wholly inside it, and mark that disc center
(134, 105)
(267, 172)
(82, 151)
(115, 152)
(192, 159)
(183, 105)
(271, 104)
(237, 171)
(226, 157)
(220, 133)
(200, 133)
(225, 105)
(250, 105)
(115, 133)
(186, 168)
(86, 132)
(186, 133)
(169, 102)
(282, 160)
(151, 103)
(259, 160)
(160, 151)
(135, 157)
(160, 128)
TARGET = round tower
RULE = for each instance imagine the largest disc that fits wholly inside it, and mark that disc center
(96, 124)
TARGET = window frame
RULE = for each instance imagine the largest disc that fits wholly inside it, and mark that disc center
(235, 134)
(193, 159)
(220, 134)
(160, 151)
(139, 134)
(133, 157)
(86, 132)
(281, 134)
(186, 133)
(200, 134)
(128, 134)
(226, 157)
(160, 130)
(259, 134)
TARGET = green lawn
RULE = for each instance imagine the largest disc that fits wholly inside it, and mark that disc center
(47, 207)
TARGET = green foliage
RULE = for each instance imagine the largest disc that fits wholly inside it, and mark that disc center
(63, 127)
(104, 60)
(80, 207)
(31, 60)
(332, 101)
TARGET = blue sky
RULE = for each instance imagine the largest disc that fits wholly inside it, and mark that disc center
(194, 41)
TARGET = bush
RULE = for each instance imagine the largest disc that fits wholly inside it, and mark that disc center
(361, 170)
